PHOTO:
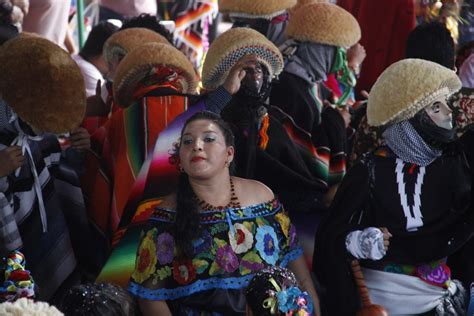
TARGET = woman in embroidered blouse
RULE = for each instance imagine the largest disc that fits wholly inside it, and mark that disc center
(205, 242)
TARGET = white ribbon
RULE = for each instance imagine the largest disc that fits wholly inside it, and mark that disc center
(22, 140)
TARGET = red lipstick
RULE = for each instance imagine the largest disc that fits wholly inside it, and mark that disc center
(197, 158)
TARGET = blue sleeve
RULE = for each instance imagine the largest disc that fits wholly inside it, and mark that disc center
(217, 100)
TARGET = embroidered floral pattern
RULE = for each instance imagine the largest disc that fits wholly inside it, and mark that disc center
(393, 268)
(435, 273)
(366, 139)
(284, 221)
(202, 244)
(165, 248)
(438, 274)
(224, 256)
(163, 273)
(267, 244)
(241, 239)
(251, 262)
(226, 259)
(200, 265)
(184, 271)
(399, 268)
(463, 109)
(146, 261)
(292, 239)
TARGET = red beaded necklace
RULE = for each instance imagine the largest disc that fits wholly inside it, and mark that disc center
(233, 203)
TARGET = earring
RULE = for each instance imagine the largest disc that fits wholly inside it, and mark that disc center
(226, 164)
(181, 169)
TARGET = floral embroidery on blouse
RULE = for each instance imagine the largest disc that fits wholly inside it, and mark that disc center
(145, 265)
(292, 239)
(284, 221)
(202, 244)
(226, 259)
(165, 248)
(267, 244)
(242, 239)
(183, 271)
(233, 244)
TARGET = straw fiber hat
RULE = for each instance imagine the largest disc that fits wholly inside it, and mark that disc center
(42, 84)
(406, 87)
(266, 9)
(139, 62)
(324, 23)
(231, 46)
(301, 3)
(122, 42)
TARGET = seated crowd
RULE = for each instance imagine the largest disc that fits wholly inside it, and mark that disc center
(264, 183)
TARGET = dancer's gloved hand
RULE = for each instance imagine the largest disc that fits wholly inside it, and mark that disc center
(370, 243)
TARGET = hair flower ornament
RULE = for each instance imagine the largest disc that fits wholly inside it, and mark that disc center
(291, 301)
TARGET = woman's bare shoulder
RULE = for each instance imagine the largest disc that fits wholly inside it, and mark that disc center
(251, 192)
(168, 202)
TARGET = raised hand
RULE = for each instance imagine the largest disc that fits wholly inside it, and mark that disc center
(237, 73)
(80, 139)
(11, 158)
(355, 56)
(386, 237)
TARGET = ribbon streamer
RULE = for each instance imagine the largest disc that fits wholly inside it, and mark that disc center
(22, 140)
(344, 75)
(272, 302)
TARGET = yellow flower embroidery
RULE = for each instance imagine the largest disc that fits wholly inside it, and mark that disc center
(284, 221)
(146, 260)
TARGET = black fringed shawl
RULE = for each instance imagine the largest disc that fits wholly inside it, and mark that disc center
(282, 165)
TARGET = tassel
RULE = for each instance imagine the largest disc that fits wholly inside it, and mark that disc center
(368, 309)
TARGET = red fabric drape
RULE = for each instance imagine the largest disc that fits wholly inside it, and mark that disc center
(385, 27)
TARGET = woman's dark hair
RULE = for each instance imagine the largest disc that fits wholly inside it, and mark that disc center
(216, 119)
(150, 22)
(187, 227)
(96, 40)
(260, 288)
(432, 41)
(101, 299)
